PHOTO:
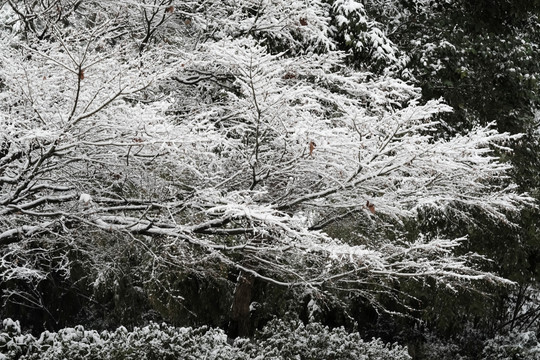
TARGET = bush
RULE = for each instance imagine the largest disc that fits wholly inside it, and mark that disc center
(294, 340)
(278, 340)
(513, 346)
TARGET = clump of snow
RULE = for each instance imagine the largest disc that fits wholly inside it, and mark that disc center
(85, 198)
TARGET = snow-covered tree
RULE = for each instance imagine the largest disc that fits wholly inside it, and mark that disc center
(225, 133)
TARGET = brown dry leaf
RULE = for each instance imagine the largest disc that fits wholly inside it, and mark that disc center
(370, 207)
(81, 74)
(170, 9)
(303, 22)
(312, 146)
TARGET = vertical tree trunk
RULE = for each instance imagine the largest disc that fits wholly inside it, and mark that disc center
(240, 324)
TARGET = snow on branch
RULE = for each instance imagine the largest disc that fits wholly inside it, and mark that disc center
(236, 133)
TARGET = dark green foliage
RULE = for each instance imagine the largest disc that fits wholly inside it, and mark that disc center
(481, 57)
(362, 39)
(103, 280)
(482, 65)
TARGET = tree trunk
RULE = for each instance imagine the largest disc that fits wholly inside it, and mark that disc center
(240, 324)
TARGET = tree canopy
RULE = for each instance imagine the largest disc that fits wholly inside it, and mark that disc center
(146, 145)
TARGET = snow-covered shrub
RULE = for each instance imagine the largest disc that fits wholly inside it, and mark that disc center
(514, 346)
(294, 340)
(278, 340)
(12, 342)
(436, 348)
(152, 342)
